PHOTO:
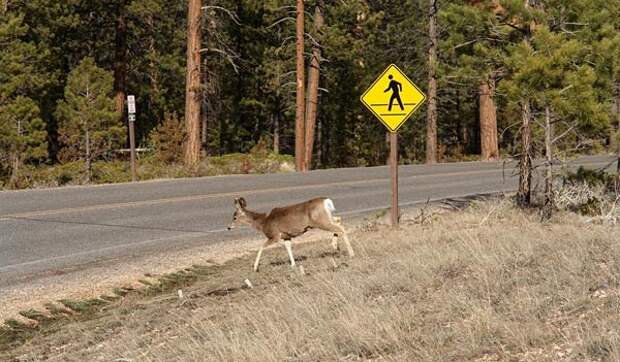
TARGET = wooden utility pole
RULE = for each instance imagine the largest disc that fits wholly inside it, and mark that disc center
(300, 132)
(489, 149)
(132, 150)
(313, 84)
(192, 87)
(431, 115)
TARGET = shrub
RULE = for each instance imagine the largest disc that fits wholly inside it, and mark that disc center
(168, 139)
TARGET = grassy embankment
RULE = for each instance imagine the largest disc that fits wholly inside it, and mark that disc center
(149, 168)
(488, 283)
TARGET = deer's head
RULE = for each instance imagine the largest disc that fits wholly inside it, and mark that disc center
(240, 217)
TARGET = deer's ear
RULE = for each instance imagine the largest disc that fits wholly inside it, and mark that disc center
(242, 202)
(236, 202)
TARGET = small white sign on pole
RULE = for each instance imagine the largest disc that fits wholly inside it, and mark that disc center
(131, 104)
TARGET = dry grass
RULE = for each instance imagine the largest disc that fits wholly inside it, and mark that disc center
(488, 283)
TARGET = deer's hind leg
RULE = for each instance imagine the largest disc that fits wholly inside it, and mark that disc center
(335, 242)
(339, 231)
(289, 250)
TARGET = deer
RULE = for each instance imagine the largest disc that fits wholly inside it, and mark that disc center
(288, 222)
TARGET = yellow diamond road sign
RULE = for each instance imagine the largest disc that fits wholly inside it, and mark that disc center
(393, 98)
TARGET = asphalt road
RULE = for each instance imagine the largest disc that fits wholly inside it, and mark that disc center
(43, 232)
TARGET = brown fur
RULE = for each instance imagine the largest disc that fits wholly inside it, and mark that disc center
(285, 223)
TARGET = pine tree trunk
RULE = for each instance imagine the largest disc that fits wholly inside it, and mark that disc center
(204, 125)
(120, 60)
(299, 114)
(152, 69)
(488, 121)
(276, 133)
(431, 115)
(617, 135)
(549, 196)
(319, 142)
(192, 87)
(525, 164)
(14, 179)
(88, 158)
(313, 85)
(16, 161)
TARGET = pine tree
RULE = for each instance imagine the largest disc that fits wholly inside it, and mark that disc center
(22, 132)
(473, 49)
(550, 76)
(89, 126)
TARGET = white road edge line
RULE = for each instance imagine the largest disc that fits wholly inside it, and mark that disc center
(83, 253)
(193, 236)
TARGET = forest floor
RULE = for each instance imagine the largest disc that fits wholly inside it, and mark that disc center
(486, 283)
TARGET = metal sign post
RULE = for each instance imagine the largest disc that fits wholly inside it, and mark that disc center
(131, 108)
(394, 174)
(393, 98)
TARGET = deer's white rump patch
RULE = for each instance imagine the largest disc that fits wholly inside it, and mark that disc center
(329, 208)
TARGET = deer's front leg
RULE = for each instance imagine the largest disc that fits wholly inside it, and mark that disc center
(260, 253)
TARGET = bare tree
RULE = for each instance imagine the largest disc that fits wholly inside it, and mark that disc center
(120, 58)
(525, 164)
(488, 120)
(313, 84)
(549, 195)
(299, 114)
(192, 88)
(209, 82)
(524, 194)
(431, 115)
(617, 135)
(210, 88)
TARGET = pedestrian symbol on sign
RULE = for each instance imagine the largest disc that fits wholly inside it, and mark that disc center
(393, 98)
(396, 88)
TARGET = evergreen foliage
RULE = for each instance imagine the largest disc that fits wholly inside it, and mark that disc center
(22, 132)
(88, 124)
(561, 55)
